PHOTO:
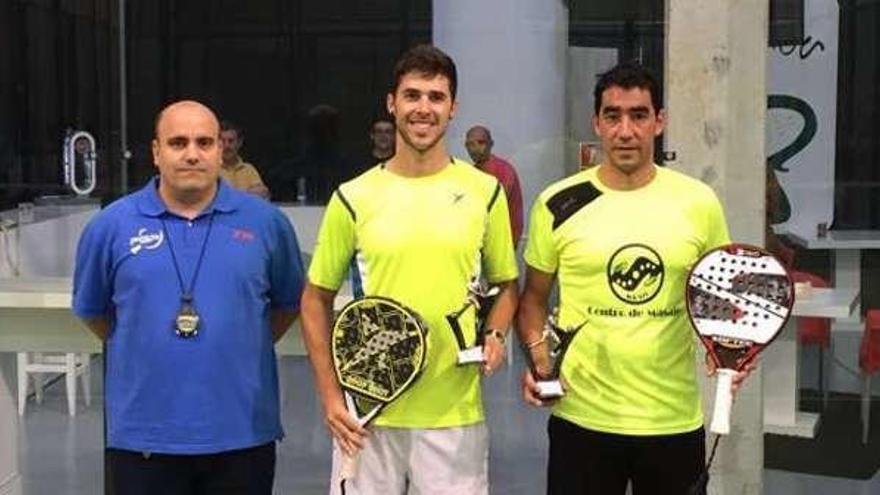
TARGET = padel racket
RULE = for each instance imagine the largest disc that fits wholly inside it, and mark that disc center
(738, 300)
(378, 348)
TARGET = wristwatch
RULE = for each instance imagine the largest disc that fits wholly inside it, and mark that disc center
(498, 334)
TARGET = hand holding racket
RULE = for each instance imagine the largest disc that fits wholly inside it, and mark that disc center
(739, 298)
(378, 347)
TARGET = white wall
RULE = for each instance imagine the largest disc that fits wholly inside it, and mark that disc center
(511, 57)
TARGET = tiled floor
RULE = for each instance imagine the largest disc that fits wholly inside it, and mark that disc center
(60, 455)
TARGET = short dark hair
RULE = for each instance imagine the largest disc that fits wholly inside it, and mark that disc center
(429, 61)
(628, 75)
(382, 118)
(228, 125)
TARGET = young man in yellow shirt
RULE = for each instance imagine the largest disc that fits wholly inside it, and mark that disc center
(421, 227)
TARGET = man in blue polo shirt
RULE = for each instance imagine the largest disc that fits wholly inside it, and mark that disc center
(190, 282)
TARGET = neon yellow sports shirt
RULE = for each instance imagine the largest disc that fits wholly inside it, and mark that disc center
(420, 241)
(621, 258)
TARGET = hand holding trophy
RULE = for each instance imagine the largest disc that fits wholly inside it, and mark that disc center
(481, 297)
(546, 368)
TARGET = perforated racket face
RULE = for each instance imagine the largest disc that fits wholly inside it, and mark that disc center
(738, 299)
(378, 348)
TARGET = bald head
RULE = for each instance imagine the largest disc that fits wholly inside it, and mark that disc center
(478, 142)
(479, 131)
(186, 151)
(187, 106)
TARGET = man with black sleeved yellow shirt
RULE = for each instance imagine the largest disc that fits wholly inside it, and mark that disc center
(621, 238)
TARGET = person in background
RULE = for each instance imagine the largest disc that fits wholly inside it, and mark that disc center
(322, 166)
(240, 174)
(478, 142)
(382, 141)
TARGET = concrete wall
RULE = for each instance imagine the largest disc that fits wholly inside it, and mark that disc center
(715, 96)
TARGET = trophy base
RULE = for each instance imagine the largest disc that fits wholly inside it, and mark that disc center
(550, 389)
(472, 355)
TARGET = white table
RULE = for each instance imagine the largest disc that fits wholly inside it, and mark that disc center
(35, 316)
(780, 362)
(846, 247)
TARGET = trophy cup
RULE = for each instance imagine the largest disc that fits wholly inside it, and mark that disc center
(481, 297)
(559, 340)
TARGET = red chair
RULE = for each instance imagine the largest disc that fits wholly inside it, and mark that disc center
(813, 330)
(869, 362)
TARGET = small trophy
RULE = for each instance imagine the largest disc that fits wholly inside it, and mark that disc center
(481, 297)
(559, 341)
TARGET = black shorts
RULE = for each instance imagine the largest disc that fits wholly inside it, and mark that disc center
(583, 462)
(236, 472)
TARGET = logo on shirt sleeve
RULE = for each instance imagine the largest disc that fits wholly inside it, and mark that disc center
(145, 240)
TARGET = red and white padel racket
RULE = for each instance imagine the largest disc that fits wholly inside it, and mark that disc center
(738, 299)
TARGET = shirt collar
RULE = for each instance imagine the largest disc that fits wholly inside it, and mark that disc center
(239, 163)
(150, 204)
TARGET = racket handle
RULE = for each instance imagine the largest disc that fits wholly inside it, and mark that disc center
(349, 466)
(723, 401)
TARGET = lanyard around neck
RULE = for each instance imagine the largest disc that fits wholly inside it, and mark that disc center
(186, 293)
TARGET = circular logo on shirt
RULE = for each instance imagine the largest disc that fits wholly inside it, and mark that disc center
(635, 273)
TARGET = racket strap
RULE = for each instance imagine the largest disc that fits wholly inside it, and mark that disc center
(700, 487)
(712, 454)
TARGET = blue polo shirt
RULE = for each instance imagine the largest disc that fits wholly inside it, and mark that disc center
(216, 391)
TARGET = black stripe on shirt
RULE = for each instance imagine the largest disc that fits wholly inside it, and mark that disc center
(570, 200)
(494, 196)
(346, 204)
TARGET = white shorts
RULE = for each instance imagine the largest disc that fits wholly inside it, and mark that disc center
(403, 461)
